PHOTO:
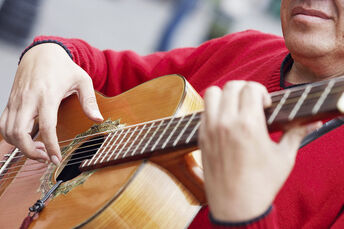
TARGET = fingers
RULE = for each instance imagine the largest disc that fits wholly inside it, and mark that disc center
(229, 99)
(211, 104)
(231, 113)
(21, 131)
(16, 126)
(208, 122)
(254, 94)
(88, 99)
(292, 138)
(47, 74)
(3, 122)
(47, 128)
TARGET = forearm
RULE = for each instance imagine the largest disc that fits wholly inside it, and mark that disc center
(268, 220)
(90, 59)
(114, 72)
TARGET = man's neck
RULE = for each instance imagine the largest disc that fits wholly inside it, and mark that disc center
(311, 71)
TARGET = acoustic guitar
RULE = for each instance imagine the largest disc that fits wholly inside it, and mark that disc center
(136, 169)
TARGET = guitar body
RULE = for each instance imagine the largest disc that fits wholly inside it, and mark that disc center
(163, 192)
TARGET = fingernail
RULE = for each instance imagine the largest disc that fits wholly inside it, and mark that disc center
(55, 160)
(314, 126)
(97, 115)
(267, 101)
(44, 155)
(41, 160)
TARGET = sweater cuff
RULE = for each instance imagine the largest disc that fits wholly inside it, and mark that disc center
(38, 42)
(266, 220)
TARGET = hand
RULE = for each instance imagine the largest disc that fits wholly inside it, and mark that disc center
(243, 168)
(45, 76)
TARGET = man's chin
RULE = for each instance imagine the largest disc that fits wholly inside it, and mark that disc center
(310, 44)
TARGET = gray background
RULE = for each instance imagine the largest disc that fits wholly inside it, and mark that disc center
(126, 24)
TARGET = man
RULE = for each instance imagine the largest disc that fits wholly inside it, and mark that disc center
(251, 181)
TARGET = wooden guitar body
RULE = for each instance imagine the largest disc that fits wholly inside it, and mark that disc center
(165, 191)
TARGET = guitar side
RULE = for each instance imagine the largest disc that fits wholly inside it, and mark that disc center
(136, 194)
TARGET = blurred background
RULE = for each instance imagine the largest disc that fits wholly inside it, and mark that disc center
(144, 26)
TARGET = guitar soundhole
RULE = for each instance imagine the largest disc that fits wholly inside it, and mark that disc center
(85, 151)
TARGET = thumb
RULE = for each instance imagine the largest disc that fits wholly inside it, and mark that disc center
(293, 137)
(88, 100)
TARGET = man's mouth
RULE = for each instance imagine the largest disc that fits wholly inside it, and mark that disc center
(310, 12)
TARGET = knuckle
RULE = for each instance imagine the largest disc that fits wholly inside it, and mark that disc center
(45, 128)
(22, 98)
(228, 85)
(90, 100)
(223, 127)
(2, 126)
(41, 88)
(27, 96)
(83, 78)
(5, 135)
(202, 138)
(212, 90)
(17, 133)
(9, 133)
(234, 83)
(9, 104)
(256, 87)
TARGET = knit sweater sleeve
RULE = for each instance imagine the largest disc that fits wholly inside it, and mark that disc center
(213, 63)
(266, 221)
(114, 72)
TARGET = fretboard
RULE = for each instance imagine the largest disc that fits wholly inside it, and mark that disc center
(300, 104)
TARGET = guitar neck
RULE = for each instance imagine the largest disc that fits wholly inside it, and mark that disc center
(296, 105)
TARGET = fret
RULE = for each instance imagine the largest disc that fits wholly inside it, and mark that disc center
(114, 151)
(9, 160)
(329, 105)
(278, 108)
(323, 96)
(109, 149)
(144, 137)
(299, 103)
(150, 139)
(107, 142)
(174, 130)
(183, 130)
(193, 132)
(137, 136)
(162, 134)
(126, 144)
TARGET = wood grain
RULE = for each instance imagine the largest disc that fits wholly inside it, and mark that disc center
(132, 195)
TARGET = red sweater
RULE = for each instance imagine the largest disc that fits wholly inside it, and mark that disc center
(313, 195)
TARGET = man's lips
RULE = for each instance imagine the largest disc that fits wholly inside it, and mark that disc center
(309, 12)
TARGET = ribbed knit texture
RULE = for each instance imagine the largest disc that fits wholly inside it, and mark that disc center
(313, 195)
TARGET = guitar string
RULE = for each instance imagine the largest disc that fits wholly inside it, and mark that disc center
(273, 94)
(290, 101)
(134, 125)
(14, 167)
(67, 164)
(114, 131)
(77, 159)
(123, 149)
(36, 172)
(336, 88)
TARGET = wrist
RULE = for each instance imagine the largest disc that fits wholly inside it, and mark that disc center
(241, 223)
(41, 42)
(238, 206)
